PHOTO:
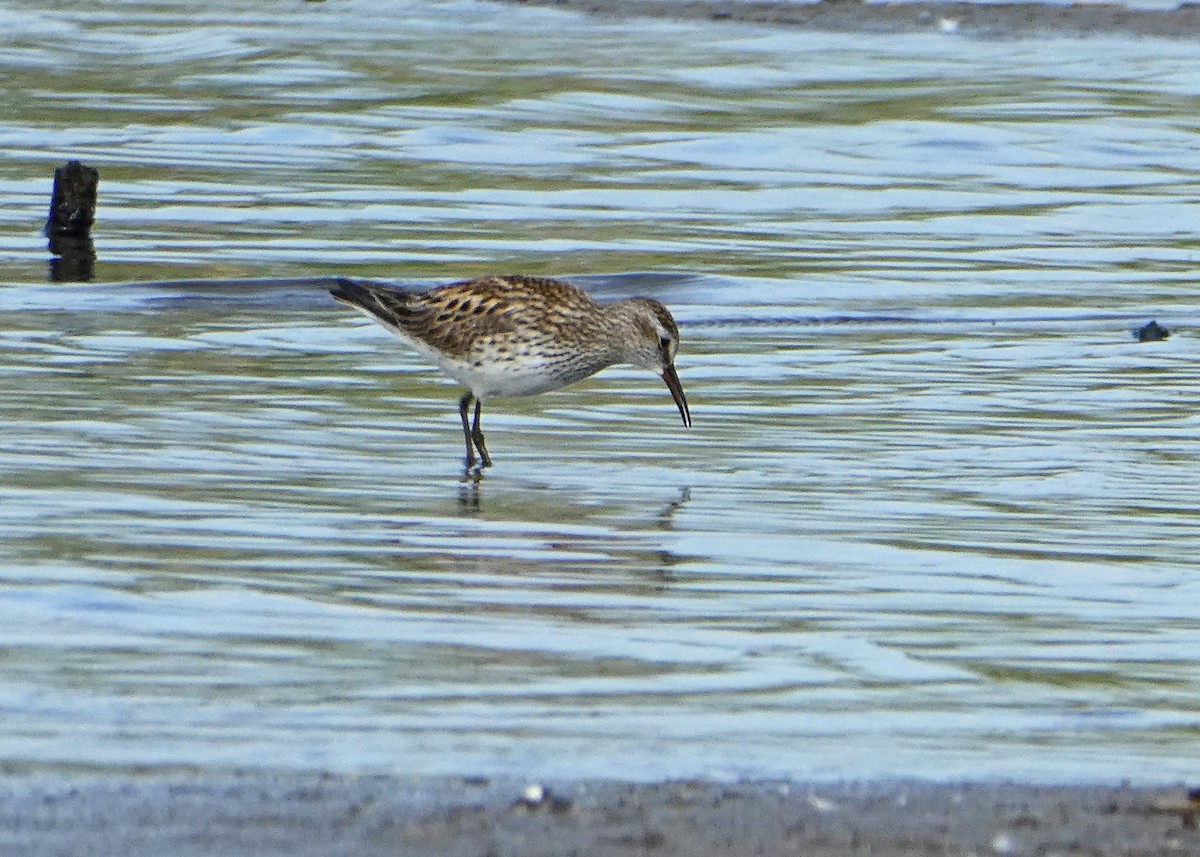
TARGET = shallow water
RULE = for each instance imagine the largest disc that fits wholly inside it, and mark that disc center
(936, 515)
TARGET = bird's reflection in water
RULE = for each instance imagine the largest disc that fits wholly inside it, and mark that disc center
(468, 489)
(666, 518)
(470, 502)
(665, 521)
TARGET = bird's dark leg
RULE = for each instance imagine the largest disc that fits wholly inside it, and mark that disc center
(464, 406)
(477, 436)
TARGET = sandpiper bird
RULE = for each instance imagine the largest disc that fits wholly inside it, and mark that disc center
(517, 336)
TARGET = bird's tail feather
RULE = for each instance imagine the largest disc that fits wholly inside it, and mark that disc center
(358, 293)
(384, 303)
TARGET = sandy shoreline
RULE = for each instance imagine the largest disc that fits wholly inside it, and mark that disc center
(320, 814)
(1001, 20)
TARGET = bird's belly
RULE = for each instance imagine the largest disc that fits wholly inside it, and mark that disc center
(511, 377)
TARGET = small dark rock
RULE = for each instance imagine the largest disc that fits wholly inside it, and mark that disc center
(1151, 332)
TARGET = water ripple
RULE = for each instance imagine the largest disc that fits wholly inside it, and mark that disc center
(936, 497)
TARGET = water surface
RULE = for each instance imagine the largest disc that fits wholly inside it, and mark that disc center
(936, 515)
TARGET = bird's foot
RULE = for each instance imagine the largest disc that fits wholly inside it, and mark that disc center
(472, 474)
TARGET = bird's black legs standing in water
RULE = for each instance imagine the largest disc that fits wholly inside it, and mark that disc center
(473, 435)
(464, 408)
(477, 436)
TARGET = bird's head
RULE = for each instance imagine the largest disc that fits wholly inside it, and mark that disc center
(655, 345)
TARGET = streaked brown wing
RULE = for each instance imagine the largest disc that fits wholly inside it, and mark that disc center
(454, 317)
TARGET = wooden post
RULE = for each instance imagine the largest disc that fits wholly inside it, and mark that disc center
(69, 226)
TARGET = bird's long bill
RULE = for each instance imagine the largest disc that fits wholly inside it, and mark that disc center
(676, 389)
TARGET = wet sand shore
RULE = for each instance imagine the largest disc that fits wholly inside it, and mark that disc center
(264, 814)
(1000, 20)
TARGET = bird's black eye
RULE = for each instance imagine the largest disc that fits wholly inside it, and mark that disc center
(665, 342)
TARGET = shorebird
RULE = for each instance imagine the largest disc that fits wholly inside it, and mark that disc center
(518, 336)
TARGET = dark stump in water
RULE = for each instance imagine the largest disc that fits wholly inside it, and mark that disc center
(72, 213)
(73, 203)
